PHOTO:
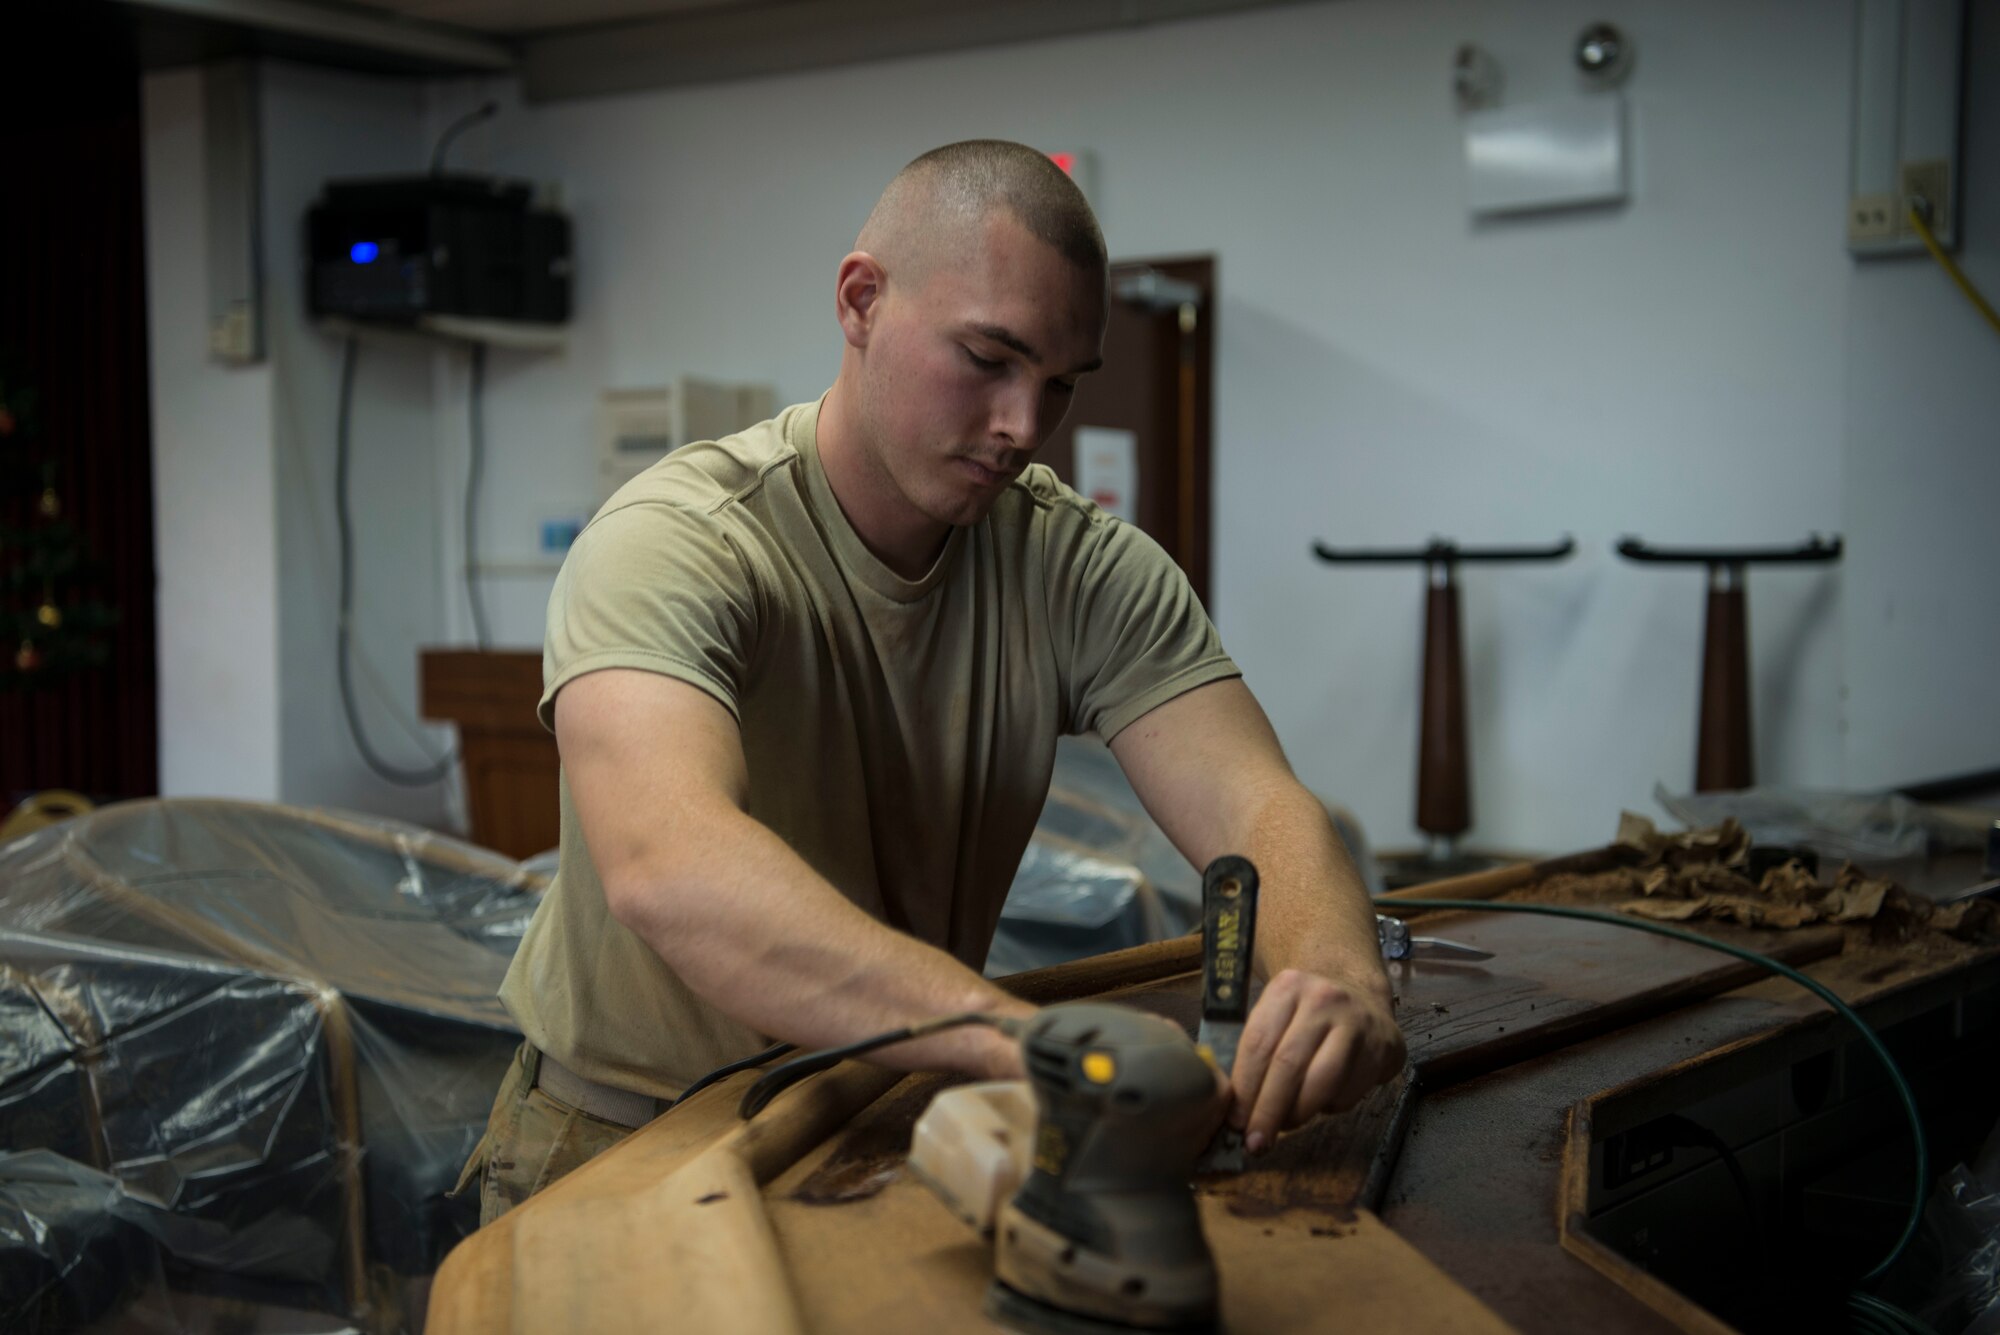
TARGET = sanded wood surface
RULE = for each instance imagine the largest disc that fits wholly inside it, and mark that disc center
(1329, 1168)
(870, 1249)
(1555, 981)
(1499, 880)
(897, 1260)
(693, 1251)
(848, 1209)
(662, 1232)
(1551, 981)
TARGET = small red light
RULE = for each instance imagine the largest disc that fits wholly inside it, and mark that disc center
(1066, 161)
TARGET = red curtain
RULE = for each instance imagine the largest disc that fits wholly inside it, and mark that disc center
(73, 324)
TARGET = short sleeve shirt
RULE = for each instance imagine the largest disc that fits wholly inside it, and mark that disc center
(899, 734)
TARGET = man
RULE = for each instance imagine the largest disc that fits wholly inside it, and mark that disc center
(807, 683)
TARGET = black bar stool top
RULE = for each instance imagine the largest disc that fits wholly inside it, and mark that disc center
(1816, 549)
(1444, 550)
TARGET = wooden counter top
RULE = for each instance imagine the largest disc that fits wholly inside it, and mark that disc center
(1438, 1204)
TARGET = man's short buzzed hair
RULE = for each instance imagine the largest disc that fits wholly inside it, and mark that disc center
(963, 182)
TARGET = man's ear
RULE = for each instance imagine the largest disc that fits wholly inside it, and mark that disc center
(857, 294)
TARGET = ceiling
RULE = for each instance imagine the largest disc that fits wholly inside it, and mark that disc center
(520, 17)
(585, 48)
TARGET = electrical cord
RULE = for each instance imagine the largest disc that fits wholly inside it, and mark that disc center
(1690, 1134)
(776, 1081)
(409, 778)
(485, 111)
(1866, 1312)
(728, 1069)
(1870, 1314)
(442, 768)
(1918, 220)
(476, 412)
(475, 409)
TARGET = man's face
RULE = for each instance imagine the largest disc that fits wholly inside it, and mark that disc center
(970, 370)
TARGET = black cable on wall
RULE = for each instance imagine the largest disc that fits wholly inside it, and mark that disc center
(343, 524)
(477, 412)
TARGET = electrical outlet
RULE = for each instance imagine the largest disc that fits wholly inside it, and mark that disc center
(233, 337)
(1929, 181)
(1635, 1153)
(1871, 218)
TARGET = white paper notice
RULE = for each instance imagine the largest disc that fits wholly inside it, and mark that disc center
(1107, 469)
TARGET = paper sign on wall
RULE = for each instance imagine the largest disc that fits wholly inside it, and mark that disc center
(1107, 469)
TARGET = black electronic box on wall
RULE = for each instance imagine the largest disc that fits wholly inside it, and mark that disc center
(396, 249)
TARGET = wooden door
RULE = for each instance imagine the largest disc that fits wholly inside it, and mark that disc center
(1157, 384)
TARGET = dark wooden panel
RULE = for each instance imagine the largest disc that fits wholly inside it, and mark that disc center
(512, 768)
(492, 688)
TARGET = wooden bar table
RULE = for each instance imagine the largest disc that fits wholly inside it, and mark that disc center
(1456, 1198)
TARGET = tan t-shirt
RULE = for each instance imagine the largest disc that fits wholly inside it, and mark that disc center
(899, 734)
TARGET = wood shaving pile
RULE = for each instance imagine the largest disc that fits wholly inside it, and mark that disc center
(1706, 874)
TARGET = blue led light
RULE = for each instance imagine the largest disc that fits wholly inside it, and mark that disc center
(363, 252)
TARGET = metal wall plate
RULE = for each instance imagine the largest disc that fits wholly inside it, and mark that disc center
(1552, 155)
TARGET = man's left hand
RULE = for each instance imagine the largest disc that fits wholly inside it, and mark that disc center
(1312, 1045)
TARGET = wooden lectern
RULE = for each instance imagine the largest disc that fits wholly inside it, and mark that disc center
(509, 759)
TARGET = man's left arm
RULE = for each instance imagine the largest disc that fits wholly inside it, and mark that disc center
(1209, 770)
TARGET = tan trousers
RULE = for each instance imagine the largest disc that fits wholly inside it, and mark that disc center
(531, 1140)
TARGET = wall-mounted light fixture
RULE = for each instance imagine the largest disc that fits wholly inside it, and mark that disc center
(1603, 55)
(1475, 78)
(1565, 153)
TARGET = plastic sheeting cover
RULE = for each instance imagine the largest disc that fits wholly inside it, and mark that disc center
(244, 1051)
(1845, 827)
(1099, 875)
(1086, 883)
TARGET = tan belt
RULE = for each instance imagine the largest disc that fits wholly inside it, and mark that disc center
(609, 1103)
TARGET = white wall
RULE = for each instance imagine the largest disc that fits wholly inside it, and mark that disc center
(320, 125)
(1703, 365)
(1678, 368)
(244, 476)
(1922, 608)
(214, 520)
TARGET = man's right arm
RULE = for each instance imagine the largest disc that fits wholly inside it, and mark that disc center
(656, 770)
